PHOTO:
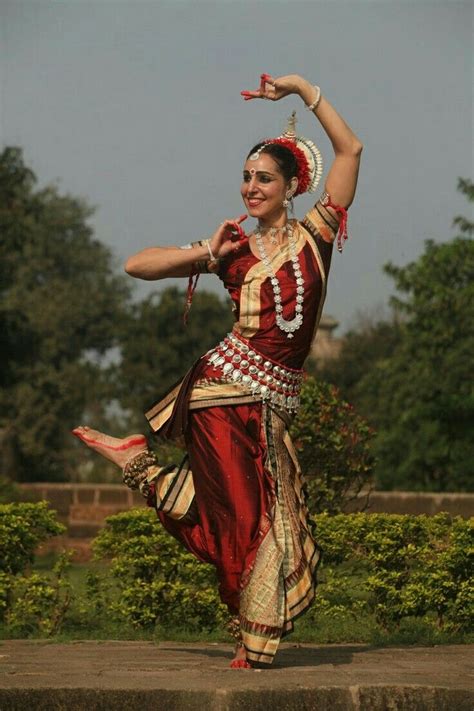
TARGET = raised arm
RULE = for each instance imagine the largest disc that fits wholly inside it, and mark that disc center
(341, 180)
(155, 263)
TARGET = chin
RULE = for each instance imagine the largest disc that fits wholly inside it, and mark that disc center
(259, 211)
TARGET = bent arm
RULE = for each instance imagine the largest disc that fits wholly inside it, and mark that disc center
(162, 262)
(341, 181)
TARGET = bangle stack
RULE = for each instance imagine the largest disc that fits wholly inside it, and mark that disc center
(315, 103)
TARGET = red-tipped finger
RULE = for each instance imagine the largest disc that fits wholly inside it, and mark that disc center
(242, 218)
(241, 243)
(262, 82)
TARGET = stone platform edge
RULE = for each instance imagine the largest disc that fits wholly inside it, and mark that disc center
(375, 697)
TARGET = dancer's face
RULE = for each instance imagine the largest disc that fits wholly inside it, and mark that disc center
(263, 189)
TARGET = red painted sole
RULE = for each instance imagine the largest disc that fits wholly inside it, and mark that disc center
(120, 448)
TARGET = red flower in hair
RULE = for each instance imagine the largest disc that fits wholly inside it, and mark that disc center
(301, 161)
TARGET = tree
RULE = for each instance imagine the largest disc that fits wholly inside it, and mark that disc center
(421, 398)
(157, 348)
(61, 301)
(369, 342)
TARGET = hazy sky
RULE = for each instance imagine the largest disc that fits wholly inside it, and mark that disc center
(136, 107)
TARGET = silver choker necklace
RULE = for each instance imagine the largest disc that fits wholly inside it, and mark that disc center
(273, 231)
(288, 327)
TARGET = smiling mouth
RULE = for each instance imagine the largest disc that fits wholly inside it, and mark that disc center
(253, 202)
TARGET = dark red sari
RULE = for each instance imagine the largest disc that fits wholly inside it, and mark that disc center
(239, 505)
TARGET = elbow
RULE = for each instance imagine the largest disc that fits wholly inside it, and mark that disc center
(350, 150)
(130, 267)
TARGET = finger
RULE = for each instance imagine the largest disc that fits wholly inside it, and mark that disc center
(239, 229)
(250, 94)
(262, 82)
(241, 243)
(268, 79)
(237, 233)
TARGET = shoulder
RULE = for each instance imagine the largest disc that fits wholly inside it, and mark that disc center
(320, 223)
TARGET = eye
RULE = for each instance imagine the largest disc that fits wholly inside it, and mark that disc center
(246, 177)
(265, 179)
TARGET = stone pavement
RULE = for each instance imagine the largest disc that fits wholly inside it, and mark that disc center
(170, 676)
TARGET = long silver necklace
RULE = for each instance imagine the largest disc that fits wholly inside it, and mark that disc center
(288, 327)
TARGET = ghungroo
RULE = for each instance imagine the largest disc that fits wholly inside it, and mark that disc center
(135, 472)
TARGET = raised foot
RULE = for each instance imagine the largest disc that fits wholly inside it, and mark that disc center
(117, 450)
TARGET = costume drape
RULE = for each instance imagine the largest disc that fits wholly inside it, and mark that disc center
(237, 502)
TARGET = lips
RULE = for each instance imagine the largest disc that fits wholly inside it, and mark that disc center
(255, 202)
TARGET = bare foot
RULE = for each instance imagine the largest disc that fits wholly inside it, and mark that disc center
(117, 450)
(240, 659)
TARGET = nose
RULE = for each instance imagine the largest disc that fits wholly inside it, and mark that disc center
(251, 185)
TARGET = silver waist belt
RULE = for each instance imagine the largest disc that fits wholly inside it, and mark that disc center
(238, 362)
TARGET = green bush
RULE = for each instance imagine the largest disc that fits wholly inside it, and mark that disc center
(30, 603)
(22, 528)
(38, 603)
(416, 566)
(333, 446)
(159, 583)
(401, 567)
(380, 572)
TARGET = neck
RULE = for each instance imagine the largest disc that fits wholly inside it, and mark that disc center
(274, 221)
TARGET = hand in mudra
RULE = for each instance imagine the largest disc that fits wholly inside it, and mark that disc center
(274, 89)
(229, 237)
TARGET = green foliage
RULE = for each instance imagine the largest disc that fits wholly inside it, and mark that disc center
(22, 528)
(159, 583)
(59, 308)
(30, 603)
(157, 348)
(333, 446)
(423, 396)
(369, 343)
(38, 603)
(388, 568)
(416, 566)
(381, 575)
(417, 390)
(465, 225)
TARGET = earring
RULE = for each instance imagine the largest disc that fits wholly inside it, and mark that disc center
(287, 199)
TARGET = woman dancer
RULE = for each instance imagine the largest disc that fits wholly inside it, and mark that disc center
(237, 502)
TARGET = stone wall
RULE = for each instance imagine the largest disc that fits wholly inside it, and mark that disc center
(84, 507)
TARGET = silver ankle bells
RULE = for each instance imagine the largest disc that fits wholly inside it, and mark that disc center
(271, 382)
(135, 471)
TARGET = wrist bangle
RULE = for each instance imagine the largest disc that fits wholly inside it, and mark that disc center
(315, 103)
(211, 256)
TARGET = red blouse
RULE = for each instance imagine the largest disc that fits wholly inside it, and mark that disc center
(250, 289)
